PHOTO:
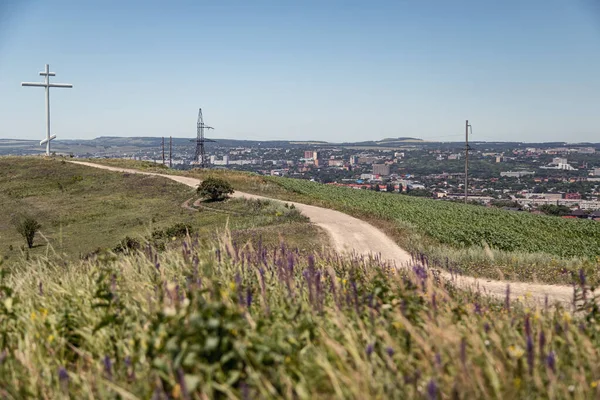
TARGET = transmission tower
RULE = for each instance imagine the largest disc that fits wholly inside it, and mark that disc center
(200, 156)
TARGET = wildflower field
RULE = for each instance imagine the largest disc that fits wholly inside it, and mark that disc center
(226, 320)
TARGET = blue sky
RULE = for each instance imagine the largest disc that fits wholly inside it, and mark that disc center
(331, 70)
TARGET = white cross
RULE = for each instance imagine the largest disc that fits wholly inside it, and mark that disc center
(47, 85)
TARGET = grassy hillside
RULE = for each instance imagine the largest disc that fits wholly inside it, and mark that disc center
(467, 239)
(82, 209)
(217, 320)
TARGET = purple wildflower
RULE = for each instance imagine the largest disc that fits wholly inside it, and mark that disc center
(290, 264)
(41, 288)
(355, 292)
(420, 272)
(551, 361)
(370, 349)
(389, 351)
(245, 391)
(527, 326)
(130, 370)
(248, 297)
(182, 385)
(530, 353)
(432, 390)
(63, 377)
(108, 367)
(542, 344)
(438, 360)
(507, 299)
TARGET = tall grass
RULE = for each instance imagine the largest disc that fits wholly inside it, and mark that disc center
(225, 320)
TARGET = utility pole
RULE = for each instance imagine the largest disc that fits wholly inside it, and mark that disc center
(170, 151)
(47, 85)
(467, 148)
(163, 150)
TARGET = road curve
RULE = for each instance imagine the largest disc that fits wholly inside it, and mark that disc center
(352, 235)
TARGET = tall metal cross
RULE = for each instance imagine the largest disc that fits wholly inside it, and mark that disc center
(47, 85)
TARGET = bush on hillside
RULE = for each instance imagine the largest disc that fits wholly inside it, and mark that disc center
(27, 227)
(215, 189)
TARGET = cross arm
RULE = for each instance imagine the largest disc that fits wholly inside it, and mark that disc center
(36, 84)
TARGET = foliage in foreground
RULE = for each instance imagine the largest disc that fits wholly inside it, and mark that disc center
(227, 321)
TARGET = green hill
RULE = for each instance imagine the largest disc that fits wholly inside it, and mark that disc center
(83, 209)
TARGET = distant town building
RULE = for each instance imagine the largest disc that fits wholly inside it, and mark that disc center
(596, 171)
(586, 150)
(499, 159)
(316, 155)
(381, 169)
(572, 196)
(353, 160)
(516, 174)
(454, 157)
(558, 160)
(308, 154)
(367, 160)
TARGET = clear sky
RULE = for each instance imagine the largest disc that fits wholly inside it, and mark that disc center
(526, 70)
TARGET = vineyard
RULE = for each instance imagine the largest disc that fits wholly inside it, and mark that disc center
(461, 225)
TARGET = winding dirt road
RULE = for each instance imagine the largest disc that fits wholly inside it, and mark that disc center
(352, 235)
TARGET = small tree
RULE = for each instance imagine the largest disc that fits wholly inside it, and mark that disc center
(27, 227)
(215, 188)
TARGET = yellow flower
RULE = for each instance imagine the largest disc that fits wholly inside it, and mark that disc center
(397, 324)
(517, 382)
(44, 312)
(232, 285)
(288, 359)
(515, 351)
(176, 391)
(50, 338)
(32, 316)
(594, 384)
(566, 317)
(344, 281)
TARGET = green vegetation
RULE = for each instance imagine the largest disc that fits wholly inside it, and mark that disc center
(215, 189)
(220, 320)
(84, 210)
(474, 240)
(27, 227)
(464, 225)
(553, 209)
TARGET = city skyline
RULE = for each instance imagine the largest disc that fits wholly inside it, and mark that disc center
(311, 71)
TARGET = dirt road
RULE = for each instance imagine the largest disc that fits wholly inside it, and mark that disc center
(349, 234)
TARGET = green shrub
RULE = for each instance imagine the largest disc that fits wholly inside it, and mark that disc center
(215, 189)
(126, 245)
(27, 227)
